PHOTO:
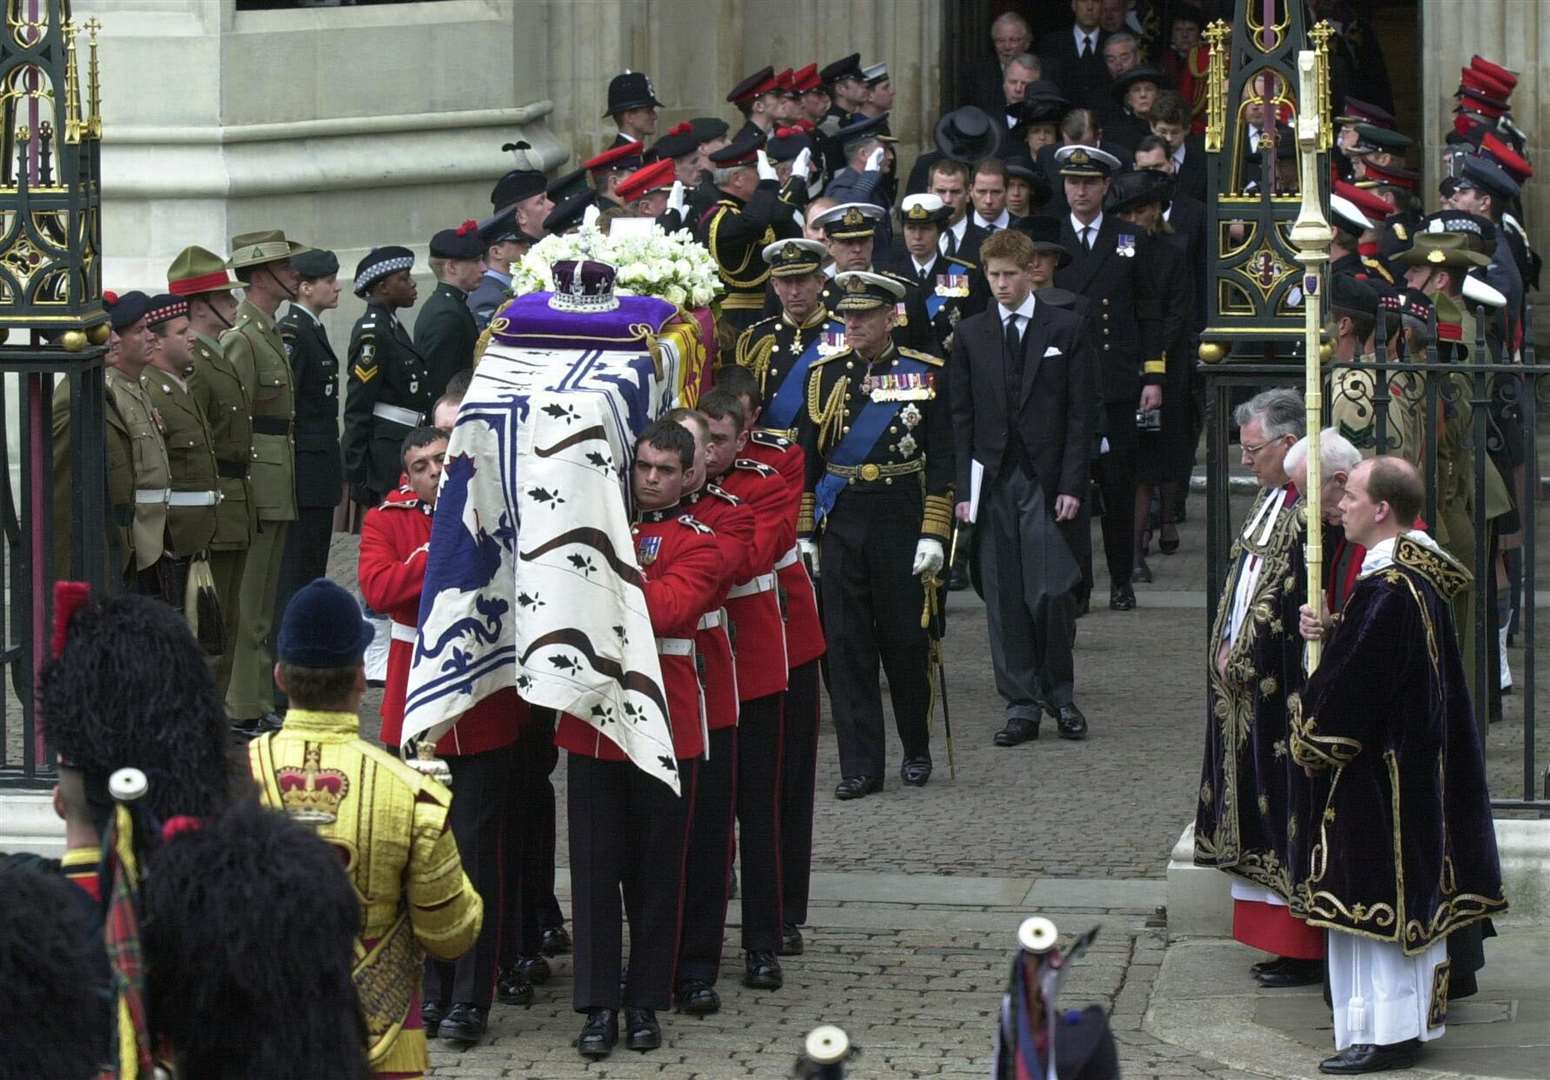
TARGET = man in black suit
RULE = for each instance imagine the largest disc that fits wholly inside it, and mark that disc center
(1170, 122)
(319, 469)
(1073, 57)
(1107, 267)
(1011, 36)
(1020, 377)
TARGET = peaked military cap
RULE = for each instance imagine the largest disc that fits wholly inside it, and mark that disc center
(626, 157)
(1080, 160)
(658, 176)
(1347, 214)
(1483, 174)
(873, 74)
(564, 187)
(846, 67)
(849, 221)
(793, 258)
(1380, 138)
(568, 214)
(862, 290)
(760, 82)
(925, 209)
(871, 127)
(743, 150)
(379, 263)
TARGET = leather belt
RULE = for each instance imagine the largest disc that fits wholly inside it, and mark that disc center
(395, 414)
(193, 498)
(871, 472)
(402, 632)
(271, 425)
(712, 619)
(231, 470)
(753, 586)
(151, 496)
(791, 557)
(675, 646)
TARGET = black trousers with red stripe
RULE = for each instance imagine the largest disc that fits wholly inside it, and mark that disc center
(626, 836)
(759, 740)
(708, 861)
(798, 773)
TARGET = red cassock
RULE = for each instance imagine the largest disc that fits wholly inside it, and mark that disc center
(395, 542)
(759, 632)
(680, 560)
(733, 522)
(804, 632)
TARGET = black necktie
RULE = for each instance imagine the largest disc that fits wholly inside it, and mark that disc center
(1087, 47)
(952, 243)
(1012, 361)
(922, 274)
(1087, 237)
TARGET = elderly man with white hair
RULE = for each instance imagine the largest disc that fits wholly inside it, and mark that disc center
(1342, 559)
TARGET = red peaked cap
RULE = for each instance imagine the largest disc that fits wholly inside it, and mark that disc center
(806, 78)
(1393, 175)
(1479, 81)
(1368, 202)
(654, 177)
(1512, 162)
(1494, 71)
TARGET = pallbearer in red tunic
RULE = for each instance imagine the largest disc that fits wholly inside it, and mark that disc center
(1246, 822)
(1405, 852)
(626, 827)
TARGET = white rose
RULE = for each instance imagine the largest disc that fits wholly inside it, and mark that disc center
(635, 271)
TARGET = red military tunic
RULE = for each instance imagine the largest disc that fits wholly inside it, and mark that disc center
(759, 630)
(733, 522)
(395, 542)
(804, 631)
(680, 559)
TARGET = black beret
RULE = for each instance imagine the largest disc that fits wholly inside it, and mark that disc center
(315, 263)
(707, 128)
(126, 309)
(462, 242)
(1349, 294)
(515, 186)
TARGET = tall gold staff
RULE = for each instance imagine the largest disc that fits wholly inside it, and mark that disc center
(1311, 234)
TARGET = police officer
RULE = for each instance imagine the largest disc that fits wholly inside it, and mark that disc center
(319, 474)
(749, 214)
(850, 231)
(445, 331)
(191, 460)
(389, 392)
(879, 494)
(225, 395)
(1108, 266)
(262, 262)
(633, 105)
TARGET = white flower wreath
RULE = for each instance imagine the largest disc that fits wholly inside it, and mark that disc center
(672, 266)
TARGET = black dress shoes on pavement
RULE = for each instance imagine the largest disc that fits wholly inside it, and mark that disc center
(1122, 597)
(1141, 572)
(857, 787)
(641, 1030)
(463, 1023)
(535, 969)
(555, 941)
(761, 971)
(915, 771)
(599, 1034)
(432, 1013)
(1287, 972)
(513, 988)
(697, 998)
(1071, 723)
(1018, 730)
(1366, 1058)
(791, 940)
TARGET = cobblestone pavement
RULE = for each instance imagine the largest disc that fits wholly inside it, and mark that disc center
(913, 965)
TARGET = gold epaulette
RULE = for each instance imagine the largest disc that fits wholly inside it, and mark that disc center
(960, 262)
(923, 357)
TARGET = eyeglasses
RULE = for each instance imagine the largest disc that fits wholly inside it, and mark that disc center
(1253, 451)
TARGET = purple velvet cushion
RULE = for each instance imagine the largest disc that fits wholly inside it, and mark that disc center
(529, 322)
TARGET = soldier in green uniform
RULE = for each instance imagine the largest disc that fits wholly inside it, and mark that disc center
(200, 277)
(190, 454)
(445, 331)
(262, 262)
(389, 387)
(119, 445)
(879, 460)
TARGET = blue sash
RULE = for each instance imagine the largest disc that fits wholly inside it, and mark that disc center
(785, 405)
(935, 303)
(865, 430)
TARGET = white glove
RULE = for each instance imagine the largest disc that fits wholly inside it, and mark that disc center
(874, 161)
(589, 216)
(803, 163)
(809, 550)
(928, 557)
(675, 198)
(766, 170)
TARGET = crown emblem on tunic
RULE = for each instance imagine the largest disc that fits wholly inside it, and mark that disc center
(853, 217)
(312, 794)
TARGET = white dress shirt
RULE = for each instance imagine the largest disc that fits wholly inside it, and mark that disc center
(1024, 315)
(957, 230)
(1001, 222)
(1095, 225)
(1084, 39)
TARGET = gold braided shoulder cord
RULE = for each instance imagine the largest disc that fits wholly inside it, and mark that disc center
(830, 417)
(755, 356)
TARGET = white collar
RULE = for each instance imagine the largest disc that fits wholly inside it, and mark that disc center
(1178, 155)
(1381, 555)
(1000, 222)
(829, 271)
(1096, 224)
(303, 309)
(1024, 310)
(1079, 36)
(921, 267)
(1167, 212)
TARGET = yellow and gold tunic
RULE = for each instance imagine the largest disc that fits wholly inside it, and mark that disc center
(389, 824)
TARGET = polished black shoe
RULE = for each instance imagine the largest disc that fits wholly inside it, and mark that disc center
(1366, 1058)
(535, 969)
(791, 940)
(761, 971)
(1168, 537)
(432, 1013)
(1018, 730)
(1267, 965)
(1071, 723)
(463, 1023)
(857, 787)
(513, 988)
(1122, 597)
(1289, 973)
(958, 580)
(696, 998)
(915, 771)
(1141, 572)
(598, 1034)
(641, 1030)
(555, 942)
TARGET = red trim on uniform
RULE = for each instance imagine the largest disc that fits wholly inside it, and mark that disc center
(1450, 331)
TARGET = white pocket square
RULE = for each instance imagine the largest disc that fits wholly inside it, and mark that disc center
(1051, 351)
